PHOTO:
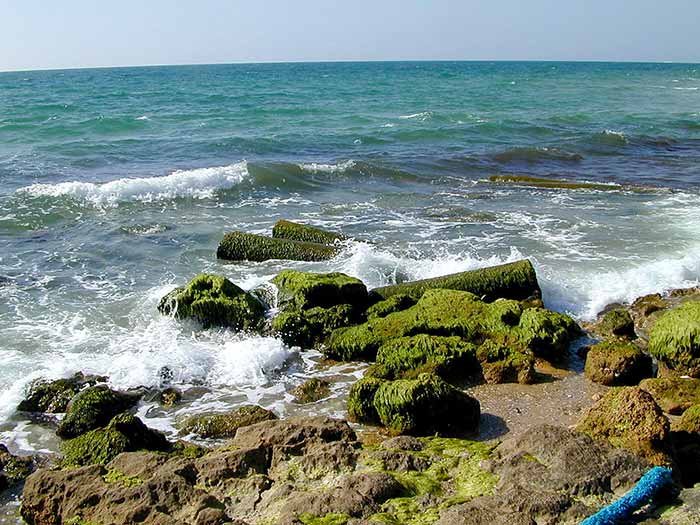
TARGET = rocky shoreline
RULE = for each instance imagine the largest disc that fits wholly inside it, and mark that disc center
(426, 416)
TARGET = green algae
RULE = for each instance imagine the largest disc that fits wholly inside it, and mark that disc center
(294, 231)
(675, 339)
(213, 300)
(690, 421)
(53, 396)
(305, 290)
(221, 425)
(617, 363)
(516, 280)
(311, 391)
(309, 328)
(117, 476)
(93, 408)
(538, 182)
(328, 519)
(617, 322)
(240, 246)
(77, 520)
(361, 400)
(395, 303)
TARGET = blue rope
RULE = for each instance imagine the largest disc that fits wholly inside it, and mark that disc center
(642, 493)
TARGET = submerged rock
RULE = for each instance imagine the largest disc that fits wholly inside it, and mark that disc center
(239, 246)
(213, 300)
(616, 363)
(124, 433)
(616, 323)
(13, 469)
(303, 232)
(53, 396)
(423, 406)
(629, 418)
(169, 397)
(675, 339)
(673, 394)
(93, 408)
(311, 391)
(223, 425)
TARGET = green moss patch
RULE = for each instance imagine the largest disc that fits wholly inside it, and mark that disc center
(222, 425)
(94, 408)
(328, 519)
(303, 232)
(240, 246)
(538, 182)
(675, 339)
(116, 476)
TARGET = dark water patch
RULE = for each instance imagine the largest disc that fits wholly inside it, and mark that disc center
(535, 155)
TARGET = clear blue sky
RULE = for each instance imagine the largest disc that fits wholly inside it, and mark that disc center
(81, 33)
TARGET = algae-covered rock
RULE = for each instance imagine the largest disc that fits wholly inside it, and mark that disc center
(239, 246)
(93, 408)
(615, 363)
(673, 394)
(690, 421)
(213, 300)
(515, 280)
(629, 418)
(504, 361)
(311, 391)
(395, 303)
(675, 339)
(361, 400)
(13, 469)
(303, 232)
(423, 406)
(224, 425)
(124, 433)
(53, 396)
(539, 182)
(547, 333)
(616, 323)
(305, 290)
(308, 328)
(169, 397)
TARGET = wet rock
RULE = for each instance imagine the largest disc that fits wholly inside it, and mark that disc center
(675, 339)
(223, 425)
(629, 418)
(616, 323)
(673, 394)
(303, 232)
(544, 475)
(690, 421)
(53, 396)
(124, 433)
(213, 300)
(617, 363)
(684, 511)
(309, 328)
(312, 390)
(93, 408)
(169, 397)
(408, 443)
(13, 469)
(423, 406)
(239, 246)
(401, 461)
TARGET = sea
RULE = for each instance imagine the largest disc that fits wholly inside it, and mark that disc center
(116, 186)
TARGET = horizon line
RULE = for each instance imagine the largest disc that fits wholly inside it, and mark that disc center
(347, 61)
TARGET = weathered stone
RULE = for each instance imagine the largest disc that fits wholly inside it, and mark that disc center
(53, 396)
(673, 394)
(312, 390)
(617, 363)
(616, 323)
(690, 421)
(13, 469)
(223, 425)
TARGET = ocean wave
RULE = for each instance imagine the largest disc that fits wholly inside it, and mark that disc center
(422, 116)
(340, 167)
(200, 183)
(611, 138)
(536, 154)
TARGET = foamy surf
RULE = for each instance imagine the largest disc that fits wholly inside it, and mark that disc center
(340, 167)
(200, 183)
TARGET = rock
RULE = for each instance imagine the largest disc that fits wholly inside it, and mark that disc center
(616, 323)
(403, 443)
(303, 232)
(93, 408)
(305, 290)
(675, 339)
(629, 418)
(423, 406)
(690, 421)
(53, 396)
(616, 363)
(684, 511)
(673, 394)
(239, 246)
(311, 391)
(213, 300)
(540, 182)
(309, 328)
(13, 469)
(395, 303)
(511, 281)
(503, 323)
(124, 433)
(169, 397)
(223, 425)
(545, 476)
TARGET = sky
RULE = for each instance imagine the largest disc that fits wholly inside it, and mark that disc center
(41, 34)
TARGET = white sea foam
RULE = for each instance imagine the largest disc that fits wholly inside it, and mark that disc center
(422, 116)
(328, 168)
(200, 183)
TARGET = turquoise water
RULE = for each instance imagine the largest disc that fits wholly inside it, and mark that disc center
(117, 184)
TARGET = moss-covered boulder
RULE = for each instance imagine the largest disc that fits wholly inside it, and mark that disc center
(312, 390)
(442, 312)
(169, 397)
(516, 280)
(213, 300)
(225, 425)
(616, 323)
(239, 246)
(395, 303)
(53, 396)
(313, 305)
(504, 361)
(426, 405)
(124, 433)
(673, 394)
(13, 469)
(690, 420)
(303, 232)
(629, 418)
(617, 363)
(93, 408)
(675, 339)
